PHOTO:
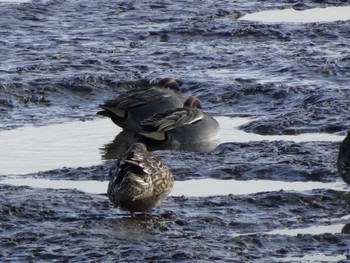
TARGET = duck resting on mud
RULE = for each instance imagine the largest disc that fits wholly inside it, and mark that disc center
(135, 105)
(186, 125)
(139, 180)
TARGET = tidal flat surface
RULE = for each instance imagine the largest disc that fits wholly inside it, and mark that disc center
(285, 83)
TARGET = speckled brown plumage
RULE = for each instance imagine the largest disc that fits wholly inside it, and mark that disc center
(139, 180)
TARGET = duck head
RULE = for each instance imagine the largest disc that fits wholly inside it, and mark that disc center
(170, 83)
(193, 102)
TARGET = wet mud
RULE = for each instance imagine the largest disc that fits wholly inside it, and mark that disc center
(276, 160)
(60, 59)
(68, 225)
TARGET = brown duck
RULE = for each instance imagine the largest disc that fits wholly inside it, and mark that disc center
(139, 181)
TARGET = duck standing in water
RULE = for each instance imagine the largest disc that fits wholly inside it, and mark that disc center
(343, 161)
(186, 125)
(140, 180)
(133, 106)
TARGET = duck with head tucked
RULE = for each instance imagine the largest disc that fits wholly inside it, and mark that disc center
(139, 181)
(343, 161)
(133, 106)
(186, 125)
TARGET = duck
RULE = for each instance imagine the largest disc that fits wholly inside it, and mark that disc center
(343, 160)
(186, 125)
(135, 105)
(139, 180)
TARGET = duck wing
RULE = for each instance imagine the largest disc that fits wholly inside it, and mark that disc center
(135, 99)
(172, 118)
(142, 169)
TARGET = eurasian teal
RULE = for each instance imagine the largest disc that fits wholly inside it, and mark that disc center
(186, 125)
(133, 106)
(343, 161)
(139, 181)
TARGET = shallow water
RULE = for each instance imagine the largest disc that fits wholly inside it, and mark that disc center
(31, 149)
(195, 188)
(316, 258)
(14, 1)
(313, 15)
(73, 144)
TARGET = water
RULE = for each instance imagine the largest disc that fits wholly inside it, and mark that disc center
(315, 258)
(191, 188)
(313, 15)
(71, 144)
(74, 144)
(331, 228)
(14, 1)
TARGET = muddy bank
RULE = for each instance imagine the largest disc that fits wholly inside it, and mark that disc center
(67, 225)
(278, 160)
(70, 225)
(61, 59)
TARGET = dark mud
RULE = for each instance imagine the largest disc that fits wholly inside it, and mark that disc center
(62, 225)
(60, 59)
(278, 160)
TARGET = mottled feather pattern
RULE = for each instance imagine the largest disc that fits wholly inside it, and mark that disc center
(135, 99)
(139, 180)
(172, 118)
(153, 165)
(137, 104)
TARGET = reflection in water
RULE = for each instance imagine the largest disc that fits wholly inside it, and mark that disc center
(190, 147)
(125, 139)
(118, 146)
(73, 144)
